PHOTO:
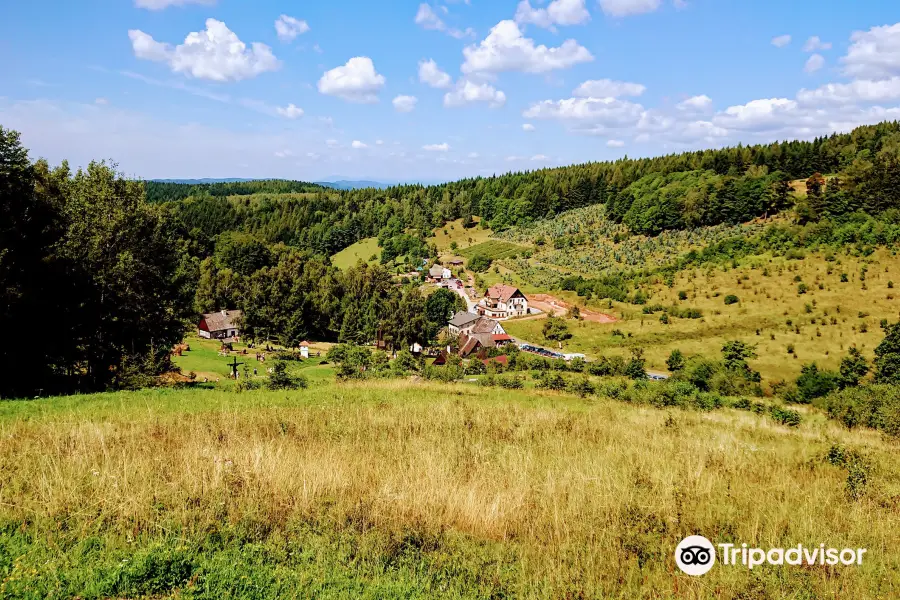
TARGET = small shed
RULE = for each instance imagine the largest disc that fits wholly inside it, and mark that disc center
(304, 349)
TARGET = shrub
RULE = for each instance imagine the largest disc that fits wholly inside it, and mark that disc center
(582, 387)
(731, 299)
(785, 416)
(813, 383)
(682, 295)
(480, 263)
(551, 381)
(281, 380)
(513, 382)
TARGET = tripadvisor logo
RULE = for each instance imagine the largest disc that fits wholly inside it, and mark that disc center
(696, 555)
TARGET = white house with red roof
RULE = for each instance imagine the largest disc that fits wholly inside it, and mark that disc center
(503, 301)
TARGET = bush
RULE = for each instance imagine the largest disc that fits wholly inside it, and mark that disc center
(731, 299)
(513, 382)
(551, 381)
(480, 263)
(813, 383)
(785, 416)
(582, 387)
(873, 406)
(281, 380)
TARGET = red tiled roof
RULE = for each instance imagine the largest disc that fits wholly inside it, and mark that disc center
(501, 337)
(501, 292)
(503, 360)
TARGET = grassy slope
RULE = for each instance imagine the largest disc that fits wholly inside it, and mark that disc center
(456, 233)
(360, 251)
(395, 489)
(767, 303)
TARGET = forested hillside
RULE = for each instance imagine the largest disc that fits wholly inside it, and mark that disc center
(650, 195)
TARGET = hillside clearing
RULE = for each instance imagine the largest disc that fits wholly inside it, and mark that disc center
(362, 250)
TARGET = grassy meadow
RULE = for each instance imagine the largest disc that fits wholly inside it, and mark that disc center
(397, 489)
(362, 250)
(819, 324)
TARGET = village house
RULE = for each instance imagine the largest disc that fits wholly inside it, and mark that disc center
(439, 273)
(480, 334)
(466, 322)
(502, 301)
(222, 325)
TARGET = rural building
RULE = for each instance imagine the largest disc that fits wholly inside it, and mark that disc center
(502, 301)
(439, 273)
(222, 325)
(460, 321)
(304, 349)
(466, 322)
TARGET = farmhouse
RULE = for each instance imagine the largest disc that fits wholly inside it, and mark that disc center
(468, 323)
(221, 325)
(439, 273)
(502, 301)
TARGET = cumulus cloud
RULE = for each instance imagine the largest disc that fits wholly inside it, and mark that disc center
(700, 103)
(814, 43)
(756, 115)
(161, 4)
(558, 12)
(358, 145)
(588, 112)
(289, 28)
(625, 8)
(874, 54)
(444, 147)
(507, 49)
(607, 88)
(615, 143)
(356, 81)
(527, 127)
(290, 111)
(814, 63)
(405, 104)
(216, 54)
(467, 92)
(781, 41)
(861, 90)
(430, 73)
(426, 18)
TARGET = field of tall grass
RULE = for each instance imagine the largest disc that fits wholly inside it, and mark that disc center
(402, 489)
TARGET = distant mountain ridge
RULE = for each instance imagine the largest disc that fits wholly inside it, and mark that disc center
(345, 184)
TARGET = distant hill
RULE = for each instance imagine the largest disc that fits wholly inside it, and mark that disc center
(204, 181)
(354, 185)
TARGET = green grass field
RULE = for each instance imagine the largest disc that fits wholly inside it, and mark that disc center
(463, 237)
(493, 249)
(394, 489)
(362, 250)
(206, 363)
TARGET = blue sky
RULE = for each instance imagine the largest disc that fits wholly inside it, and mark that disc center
(410, 91)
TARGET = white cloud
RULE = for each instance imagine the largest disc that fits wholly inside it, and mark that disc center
(444, 147)
(101, 101)
(615, 143)
(701, 103)
(358, 145)
(161, 4)
(405, 104)
(814, 43)
(757, 115)
(426, 18)
(356, 81)
(558, 12)
(861, 90)
(527, 127)
(506, 49)
(540, 157)
(290, 111)
(607, 88)
(289, 28)
(283, 154)
(814, 63)
(781, 41)
(467, 92)
(588, 113)
(431, 74)
(624, 8)
(215, 53)
(874, 54)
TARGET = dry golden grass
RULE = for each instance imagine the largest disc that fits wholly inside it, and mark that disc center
(581, 498)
